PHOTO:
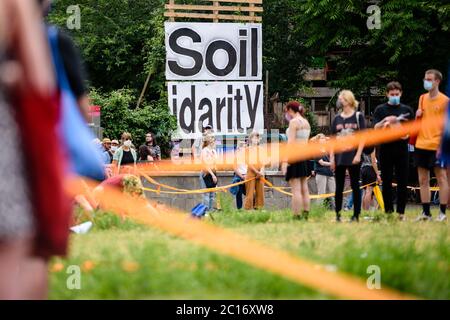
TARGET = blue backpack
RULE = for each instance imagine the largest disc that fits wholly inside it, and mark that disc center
(199, 211)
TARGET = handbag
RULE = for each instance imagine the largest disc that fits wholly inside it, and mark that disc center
(209, 182)
(83, 156)
(413, 137)
(235, 189)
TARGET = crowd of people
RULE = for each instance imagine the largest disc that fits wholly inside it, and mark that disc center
(364, 167)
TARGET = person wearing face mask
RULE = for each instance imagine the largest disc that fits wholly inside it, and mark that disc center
(432, 104)
(114, 146)
(394, 155)
(124, 160)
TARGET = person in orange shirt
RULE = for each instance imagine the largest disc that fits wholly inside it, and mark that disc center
(432, 104)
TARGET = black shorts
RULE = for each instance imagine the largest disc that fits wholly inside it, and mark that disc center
(368, 175)
(427, 159)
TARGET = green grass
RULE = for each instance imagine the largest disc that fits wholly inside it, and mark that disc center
(132, 261)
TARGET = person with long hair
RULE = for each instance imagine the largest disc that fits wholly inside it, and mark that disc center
(209, 172)
(297, 173)
(346, 123)
(254, 188)
(125, 158)
(150, 151)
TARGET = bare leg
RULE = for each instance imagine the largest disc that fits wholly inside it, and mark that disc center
(441, 175)
(424, 182)
(305, 194)
(296, 195)
(12, 255)
(34, 279)
(367, 200)
(448, 179)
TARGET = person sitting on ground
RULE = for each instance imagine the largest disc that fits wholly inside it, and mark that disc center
(126, 183)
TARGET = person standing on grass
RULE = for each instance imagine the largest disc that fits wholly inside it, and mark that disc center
(432, 104)
(324, 176)
(240, 172)
(345, 124)
(209, 172)
(196, 150)
(394, 156)
(254, 188)
(297, 172)
(369, 176)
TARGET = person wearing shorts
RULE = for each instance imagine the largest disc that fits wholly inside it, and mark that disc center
(369, 176)
(432, 104)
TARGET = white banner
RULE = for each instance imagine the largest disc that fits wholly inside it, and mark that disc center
(229, 107)
(213, 51)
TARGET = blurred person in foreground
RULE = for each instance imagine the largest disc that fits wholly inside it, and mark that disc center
(34, 209)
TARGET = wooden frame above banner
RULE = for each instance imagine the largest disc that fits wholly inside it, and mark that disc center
(216, 10)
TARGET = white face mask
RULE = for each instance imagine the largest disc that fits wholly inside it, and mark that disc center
(113, 148)
(127, 143)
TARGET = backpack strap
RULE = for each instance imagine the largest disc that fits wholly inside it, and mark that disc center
(357, 118)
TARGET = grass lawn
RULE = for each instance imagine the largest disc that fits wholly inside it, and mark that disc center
(124, 260)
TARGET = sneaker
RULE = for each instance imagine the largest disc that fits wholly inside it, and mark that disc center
(338, 218)
(82, 228)
(442, 217)
(297, 217)
(401, 217)
(423, 217)
(354, 219)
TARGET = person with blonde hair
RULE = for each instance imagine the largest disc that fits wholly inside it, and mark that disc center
(125, 158)
(209, 172)
(254, 188)
(345, 124)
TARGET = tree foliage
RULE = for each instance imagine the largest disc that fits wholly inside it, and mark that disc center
(413, 38)
(118, 116)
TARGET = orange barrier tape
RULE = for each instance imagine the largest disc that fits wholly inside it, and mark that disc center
(313, 196)
(293, 152)
(208, 190)
(238, 247)
(153, 181)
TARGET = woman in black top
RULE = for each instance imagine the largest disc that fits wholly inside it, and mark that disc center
(345, 124)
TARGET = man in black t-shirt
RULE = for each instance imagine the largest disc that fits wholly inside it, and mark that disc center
(394, 155)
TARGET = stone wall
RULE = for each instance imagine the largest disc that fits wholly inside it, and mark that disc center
(191, 181)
